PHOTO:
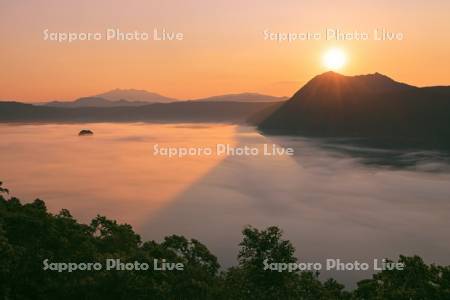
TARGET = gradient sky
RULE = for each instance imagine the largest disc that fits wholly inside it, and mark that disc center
(223, 51)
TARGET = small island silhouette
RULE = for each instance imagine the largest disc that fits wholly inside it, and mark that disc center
(85, 132)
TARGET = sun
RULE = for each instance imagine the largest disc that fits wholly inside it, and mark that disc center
(334, 59)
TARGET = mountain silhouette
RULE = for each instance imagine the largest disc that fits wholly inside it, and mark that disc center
(178, 111)
(243, 97)
(366, 106)
(131, 97)
(134, 95)
(115, 98)
(94, 102)
(333, 82)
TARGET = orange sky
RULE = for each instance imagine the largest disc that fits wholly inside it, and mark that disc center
(223, 50)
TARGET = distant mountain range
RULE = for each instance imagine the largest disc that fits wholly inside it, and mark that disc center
(94, 102)
(372, 107)
(243, 97)
(179, 111)
(367, 106)
(114, 98)
(131, 97)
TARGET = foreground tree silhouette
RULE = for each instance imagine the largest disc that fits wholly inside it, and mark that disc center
(417, 281)
(29, 234)
(251, 281)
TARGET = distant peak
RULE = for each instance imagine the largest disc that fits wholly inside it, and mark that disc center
(127, 90)
(338, 84)
(379, 75)
(376, 74)
(134, 95)
(335, 74)
(375, 77)
(331, 74)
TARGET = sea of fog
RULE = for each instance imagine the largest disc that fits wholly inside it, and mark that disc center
(332, 199)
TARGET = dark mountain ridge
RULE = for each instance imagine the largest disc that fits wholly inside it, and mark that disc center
(181, 111)
(140, 98)
(95, 102)
(243, 97)
(367, 106)
(134, 95)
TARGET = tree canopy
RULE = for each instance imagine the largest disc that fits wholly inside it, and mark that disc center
(29, 234)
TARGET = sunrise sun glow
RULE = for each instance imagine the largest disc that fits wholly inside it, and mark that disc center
(334, 59)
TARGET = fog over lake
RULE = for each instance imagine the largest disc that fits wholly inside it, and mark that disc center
(332, 200)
